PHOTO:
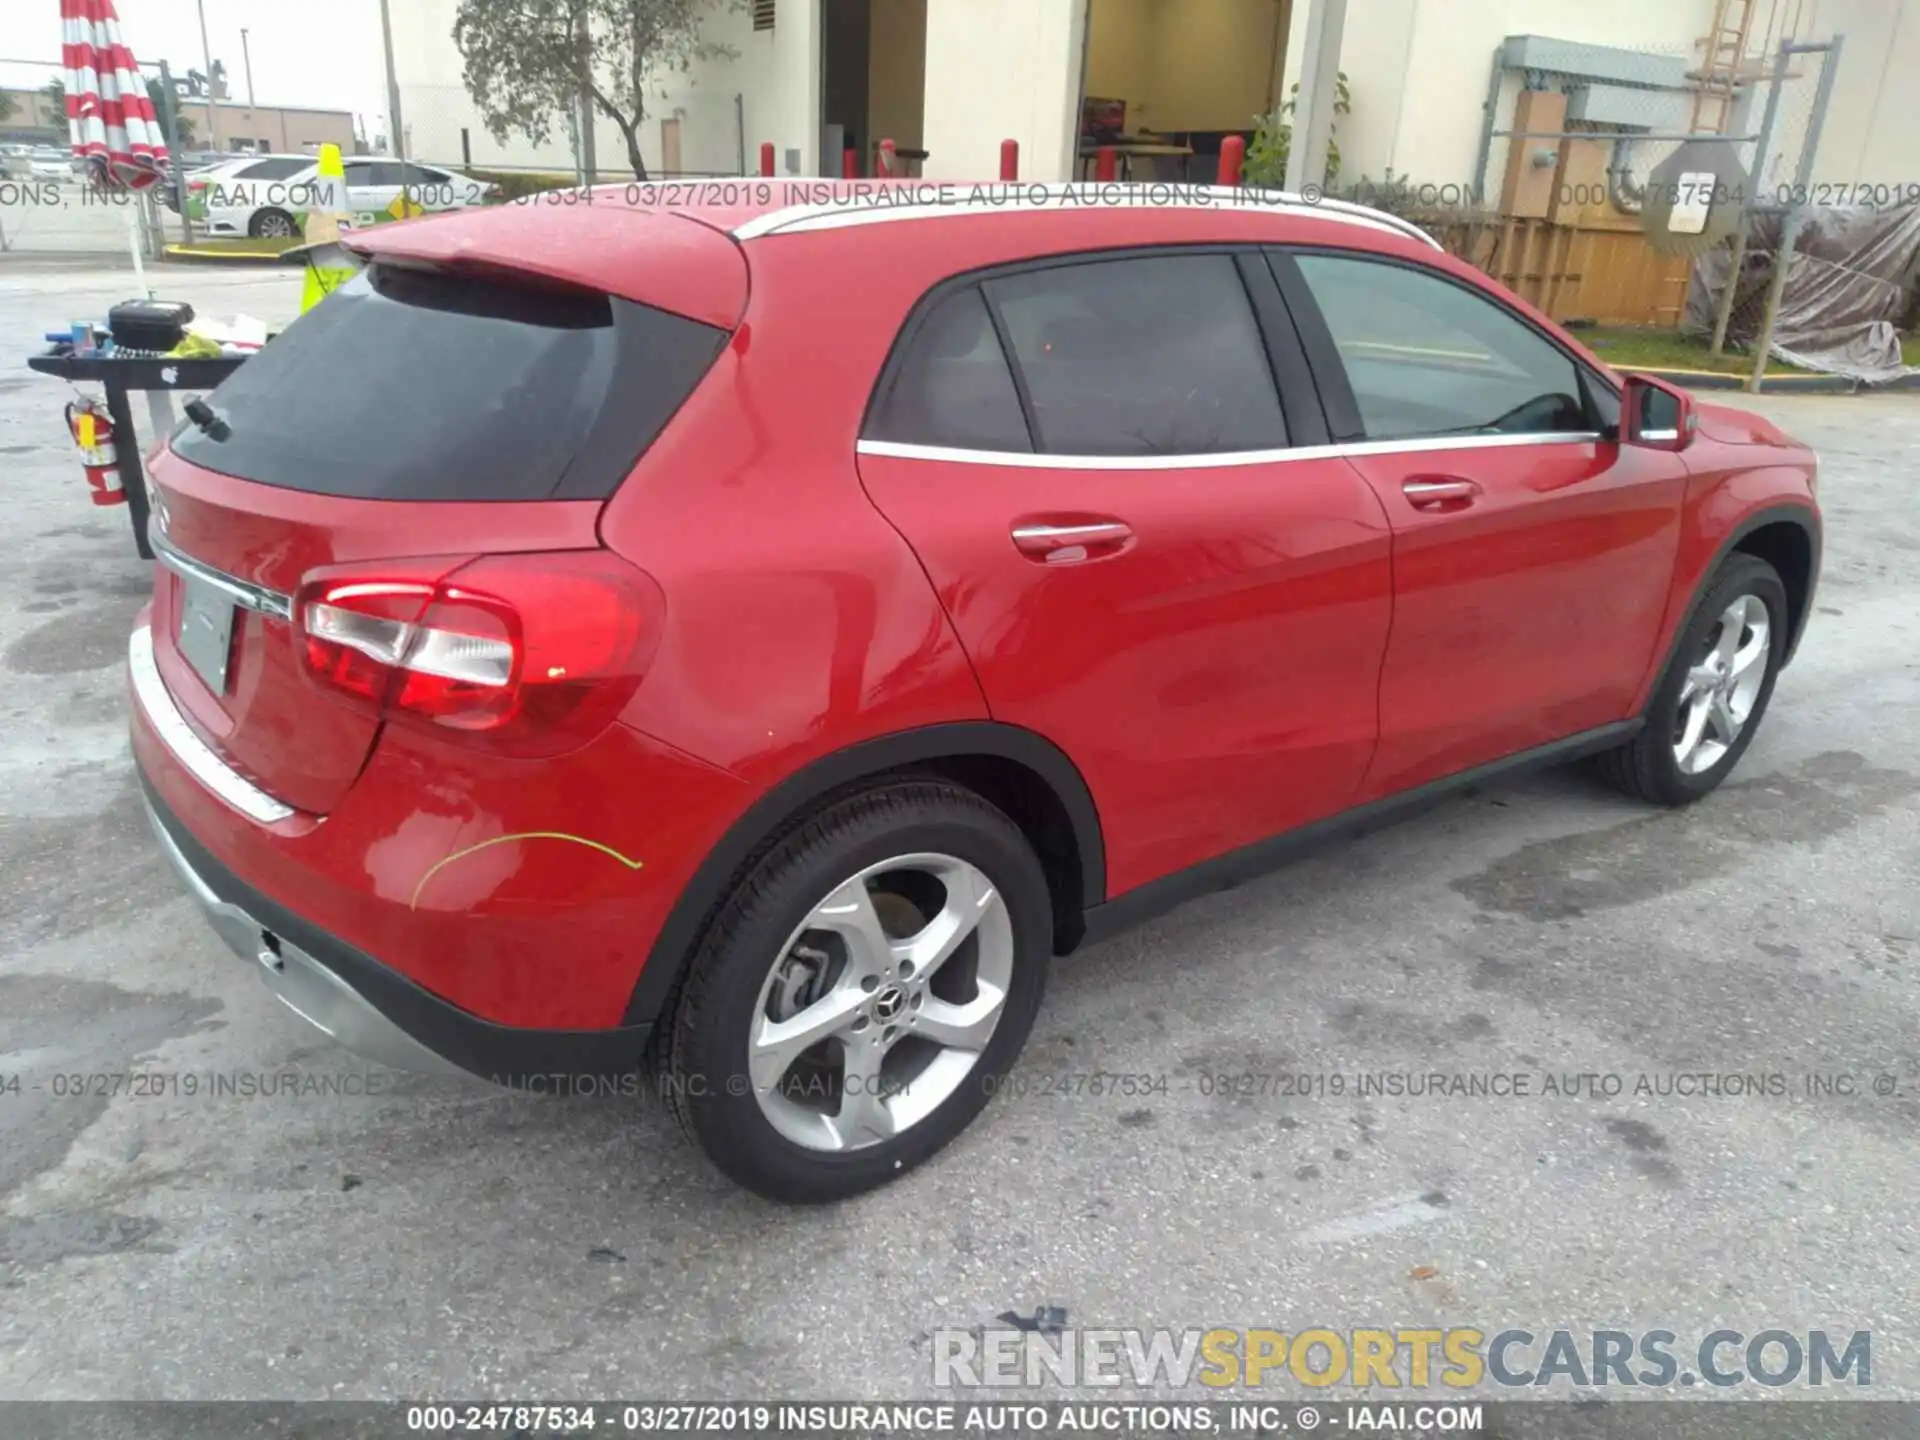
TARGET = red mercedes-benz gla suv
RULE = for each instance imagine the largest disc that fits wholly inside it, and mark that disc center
(748, 640)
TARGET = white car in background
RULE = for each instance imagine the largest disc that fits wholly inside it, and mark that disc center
(51, 164)
(263, 196)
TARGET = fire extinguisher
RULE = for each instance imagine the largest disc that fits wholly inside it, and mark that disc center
(93, 432)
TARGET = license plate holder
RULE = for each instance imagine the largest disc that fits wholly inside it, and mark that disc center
(206, 631)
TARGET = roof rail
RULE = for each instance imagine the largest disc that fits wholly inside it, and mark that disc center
(853, 203)
(1326, 204)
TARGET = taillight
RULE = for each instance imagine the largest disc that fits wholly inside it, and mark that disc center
(528, 654)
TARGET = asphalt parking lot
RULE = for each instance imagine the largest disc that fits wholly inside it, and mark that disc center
(359, 1234)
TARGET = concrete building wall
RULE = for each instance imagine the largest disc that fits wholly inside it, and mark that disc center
(999, 69)
(273, 127)
(288, 129)
(1872, 132)
(1419, 69)
(34, 117)
(773, 72)
(990, 69)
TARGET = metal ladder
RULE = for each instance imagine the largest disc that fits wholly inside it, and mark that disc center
(1719, 72)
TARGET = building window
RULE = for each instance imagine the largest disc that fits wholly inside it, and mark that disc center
(763, 11)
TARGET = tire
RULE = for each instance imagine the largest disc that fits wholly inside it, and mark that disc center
(792, 943)
(1650, 766)
(272, 225)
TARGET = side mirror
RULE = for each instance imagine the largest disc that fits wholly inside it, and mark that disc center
(1656, 415)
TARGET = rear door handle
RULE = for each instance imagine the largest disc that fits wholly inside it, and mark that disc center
(1440, 492)
(1068, 544)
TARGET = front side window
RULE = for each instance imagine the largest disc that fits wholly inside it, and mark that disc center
(1428, 357)
(1158, 355)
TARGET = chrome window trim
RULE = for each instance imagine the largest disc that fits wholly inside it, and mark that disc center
(799, 219)
(187, 747)
(900, 450)
(247, 596)
(1659, 434)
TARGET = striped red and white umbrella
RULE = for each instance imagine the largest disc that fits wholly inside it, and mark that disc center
(109, 117)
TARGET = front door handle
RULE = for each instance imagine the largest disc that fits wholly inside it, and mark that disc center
(1439, 492)
(1068, 544)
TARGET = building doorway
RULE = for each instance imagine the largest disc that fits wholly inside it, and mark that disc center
(1167, 80)
(670, 159)
(873, 83)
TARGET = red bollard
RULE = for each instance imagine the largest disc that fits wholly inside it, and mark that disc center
(1106, 165)
(1233, 159)
(850, 165)
(1009, 159)
(889, 158)
(766, 157)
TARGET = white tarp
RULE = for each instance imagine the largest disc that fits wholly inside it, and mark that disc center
(1850, 280)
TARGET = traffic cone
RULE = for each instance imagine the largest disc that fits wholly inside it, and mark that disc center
(329, 265)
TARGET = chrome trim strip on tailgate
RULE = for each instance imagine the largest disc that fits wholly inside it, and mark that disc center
(188, 748)
(247, 596)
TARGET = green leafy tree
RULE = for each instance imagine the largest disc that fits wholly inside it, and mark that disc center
(6, 106)
(527, 61)
(1273, 138)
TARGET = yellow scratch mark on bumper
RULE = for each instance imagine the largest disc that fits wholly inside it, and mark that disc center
(435, 869)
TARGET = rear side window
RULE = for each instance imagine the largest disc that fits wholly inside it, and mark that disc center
(411, 385)
(952, 386)
(282, 168)
(1158, 355)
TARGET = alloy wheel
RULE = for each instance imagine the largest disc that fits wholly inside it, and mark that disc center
(1723, 685)
(881, 1002)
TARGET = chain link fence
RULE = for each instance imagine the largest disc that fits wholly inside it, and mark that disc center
(1679, 216)
(1572, 160)
(46, 206)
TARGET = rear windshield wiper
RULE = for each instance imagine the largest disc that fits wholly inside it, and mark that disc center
(207, 420)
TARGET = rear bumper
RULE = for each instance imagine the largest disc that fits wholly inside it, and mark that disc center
(370, 1007)
(512, 898)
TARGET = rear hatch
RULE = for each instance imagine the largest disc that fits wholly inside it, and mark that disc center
(481, 401)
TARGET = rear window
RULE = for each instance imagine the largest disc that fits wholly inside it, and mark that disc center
(414, 385)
